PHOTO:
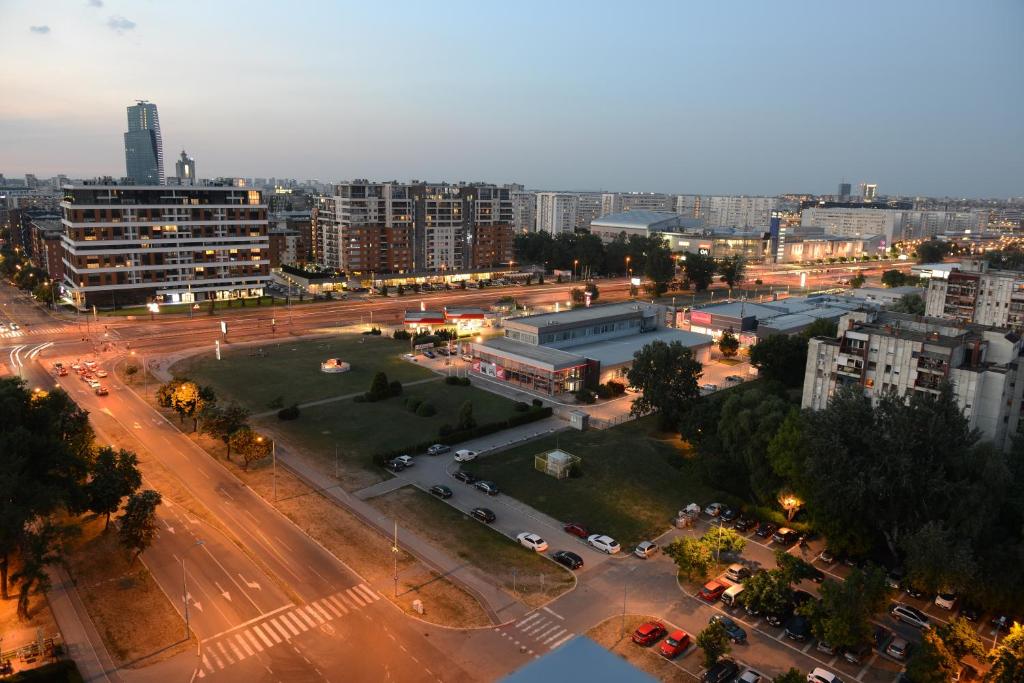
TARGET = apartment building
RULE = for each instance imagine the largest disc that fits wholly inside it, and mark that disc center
(617, 202)
(882, 351)
(130, 244)
(855, 222)
(738, 211)
(557, 212)
(588, 209)
(977, 294)
(524, 211)
(367, 228)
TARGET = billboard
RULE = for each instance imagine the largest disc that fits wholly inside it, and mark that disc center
(700, 318)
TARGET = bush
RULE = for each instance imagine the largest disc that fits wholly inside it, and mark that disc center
(426, 410)
(617, 388)
(402, 335)
(445, 430)
(289, 413)
(375, 331)
(412, 404)
(464, 381)
(396, 388)
(537, 403)
(521, 407)
(454, 381)
(276, 403)
(585, 396)
(603, 391)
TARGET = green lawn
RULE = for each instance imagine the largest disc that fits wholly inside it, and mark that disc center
(291, 370)
(530, 577)
(634, 479)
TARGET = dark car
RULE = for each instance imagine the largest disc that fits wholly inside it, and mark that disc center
(858, 654)
(729, 514)
(723, 670)
(765, 530)
(569, 559)
(779, 618)
(441, 491)
(576, 529)
(732, 629)
(429, 354)
(744, 523)
(488, 487)
(798, 628)
(912, 590)
(483, 514)
(785, 536)
(438, 449)
(464, 477)
(970, 611)
(395, 465)
(816, 575)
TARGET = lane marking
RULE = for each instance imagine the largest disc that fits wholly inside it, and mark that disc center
(557, 616)
(556, 635)
(263, 637)
(249, 652)
(366, 590)
(312, 624)
(280, 628)
(252, 639)
(315, 614)
(564, 638)
(335, 599)
(354, 598)
(288, 622)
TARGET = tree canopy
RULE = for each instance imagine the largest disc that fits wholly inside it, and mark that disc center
(667, 376)
(700, 270)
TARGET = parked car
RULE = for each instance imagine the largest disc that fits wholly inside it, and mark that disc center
(785, 536)
(713, 509)
(721, 671)
(532, 541)
(825, 647)
(732, 629)
(765, 530)
(568, 559)
(744, 523)
(827, 556)
(798, 628)
(737, 572)
(898, 648)
(911, 590)
(429, 354)
(438, 449)
(649, 633)
(101, 373)
(909, 615)
(405, 460)
(488, 487)
(781, 617)
(645, 549)
(969, 611)
(395, 466)
(440, 491)
(464, 477)
(751, 676)
(576, 529)
(603, 543)
(675, 644)
(945, 600)
(465, 455)
(857, 655)
(711, 591)
(815, 574)
(729, 514)
(101, 390)
(483, 514)
(706, 389)
(820, 675)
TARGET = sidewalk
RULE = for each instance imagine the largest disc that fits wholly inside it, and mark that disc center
(81, 640)
(344, 397)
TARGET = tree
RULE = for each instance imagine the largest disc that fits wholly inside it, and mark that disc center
(250, 446)
(722, 539)
(931, 661)
(187, 400)
(780, 358)
(138, 523)
(909, 303)
(728, 344)
(768, 592)
(931, 251)
(115, 476)
(857, 281)
(820, 328)
(577, 296)
(130, 371)
(379, 387)
(700, 269)
(466, 419)
(1008, 659)
(794, 568)
(843, 616)
(692, 556)
(221, 423)
(660, 267)
(38, 551)
(667, 376)
(938, 558)
(732, 268)
(746, 423)
(961, 639)
(594, 291)
(715, 642)
(893, 278)
(791, 676)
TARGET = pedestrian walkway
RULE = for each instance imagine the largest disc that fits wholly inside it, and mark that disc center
(537, 632)
(24, 331)
(344, 397)
(226, 649)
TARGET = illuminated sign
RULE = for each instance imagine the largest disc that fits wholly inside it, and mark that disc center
(700, 318)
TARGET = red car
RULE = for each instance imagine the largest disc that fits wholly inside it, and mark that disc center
(576, 529)
(712, 591)
(675, 644)
(648, 633)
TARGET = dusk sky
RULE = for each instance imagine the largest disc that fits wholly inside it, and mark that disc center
(923, 97)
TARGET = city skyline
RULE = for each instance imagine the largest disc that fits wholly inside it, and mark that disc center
(563, 106)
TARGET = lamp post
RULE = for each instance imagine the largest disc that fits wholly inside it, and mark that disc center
(575, 265)
(273, 456)
(184, 584)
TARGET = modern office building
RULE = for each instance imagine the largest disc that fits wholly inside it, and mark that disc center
(143, 145)
(557, 212)
(47, 245)
(185, 169)
(977, 294)
(556, 353)
(882, 351)
(868, 191)
(369, 228)
(130, 244)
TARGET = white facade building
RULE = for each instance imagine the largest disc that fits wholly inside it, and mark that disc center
(855, 222)
(556, 212)
(737, 212)
(524, 211)
(975, 294)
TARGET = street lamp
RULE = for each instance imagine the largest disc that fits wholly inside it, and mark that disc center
(273, 456)
(575, 264)
(184, 584)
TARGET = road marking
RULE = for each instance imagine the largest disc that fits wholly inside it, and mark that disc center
(366, 590)
(523, 623)
(264, 638)
(557, 616)
(336, 600)
(554, 636)
(319, 605)
(224, 652)
(249, 652)
(237, 652)
(354, 597)
(252, 639)
(312, 624)
(216, 660)
(315, 614)
(281, 629)
(289, 618)
(537, 627)
(563, 639)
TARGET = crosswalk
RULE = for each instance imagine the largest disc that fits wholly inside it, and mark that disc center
(538, 631)
(8, 333)
(226, 649)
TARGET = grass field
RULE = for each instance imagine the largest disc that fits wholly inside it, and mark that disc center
(291, 370)
(522, 573)
(634, 479)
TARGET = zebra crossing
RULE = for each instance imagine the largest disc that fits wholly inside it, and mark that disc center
(8, 333)
(225, 649)
(537, 631)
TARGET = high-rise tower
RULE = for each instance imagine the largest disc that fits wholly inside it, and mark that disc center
(186, 169)
(143, 145)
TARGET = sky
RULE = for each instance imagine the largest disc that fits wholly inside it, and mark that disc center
(923, 97)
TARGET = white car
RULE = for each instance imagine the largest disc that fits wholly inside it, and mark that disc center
(820, 675)
(465, 455)
(14, 326)
(605, 544)
(714, 509)
(945, 599)
(532, 541)
(101, 373)
(94, 384)
(750, 676)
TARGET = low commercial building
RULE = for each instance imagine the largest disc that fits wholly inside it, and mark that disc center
(555, 353)
(882, 351)
(751, 321)
(465, 319)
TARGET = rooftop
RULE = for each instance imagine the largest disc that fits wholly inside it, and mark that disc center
(581, 314)
(551, 359)
(620, 350)
(635, 219)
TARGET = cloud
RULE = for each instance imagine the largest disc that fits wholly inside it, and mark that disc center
(120, 24)
(96, 3)
(42, 30)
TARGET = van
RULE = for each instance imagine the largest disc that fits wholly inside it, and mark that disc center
(731, 596)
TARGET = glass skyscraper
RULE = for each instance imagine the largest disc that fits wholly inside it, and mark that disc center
(143, 146)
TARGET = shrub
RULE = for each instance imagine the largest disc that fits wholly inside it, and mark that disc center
(464, 381)
(445, 430)
(575, 471)
(396, 388)
(537, 403)
(412, 404)
(454, 381)
(617, 388)
(585, 396)
(603, 391)
(426, 410)
(276, 403)
(521, 407)
(402, 335)
(289, 413)
(379, 388)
